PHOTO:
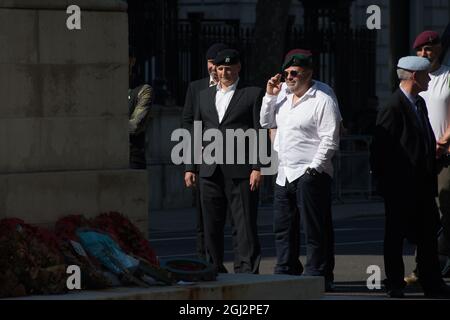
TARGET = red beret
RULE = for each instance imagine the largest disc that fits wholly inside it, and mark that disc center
(426, 37)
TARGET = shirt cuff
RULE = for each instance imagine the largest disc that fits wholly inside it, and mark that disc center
(270, 96)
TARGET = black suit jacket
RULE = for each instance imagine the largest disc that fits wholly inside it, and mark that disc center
(191, 101)
(401, 162)
(242, 113)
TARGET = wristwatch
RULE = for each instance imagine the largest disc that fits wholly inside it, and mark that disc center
(312, 172)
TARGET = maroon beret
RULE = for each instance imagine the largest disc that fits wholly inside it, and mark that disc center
(426, 37)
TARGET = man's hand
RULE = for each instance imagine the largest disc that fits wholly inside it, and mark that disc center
(255, 180)
(440, 150)
(442, 147)
(274, 85)
(190, 179)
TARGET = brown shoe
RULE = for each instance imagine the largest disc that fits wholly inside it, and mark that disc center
(412, 279)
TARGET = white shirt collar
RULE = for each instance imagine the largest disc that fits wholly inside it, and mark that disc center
(230, 88)
(311, 92)
(409, 96)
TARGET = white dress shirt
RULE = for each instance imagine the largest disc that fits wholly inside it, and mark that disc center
(223, 98)
(308, 131)
(437, 98)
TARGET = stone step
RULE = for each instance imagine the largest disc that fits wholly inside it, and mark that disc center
(227, 287)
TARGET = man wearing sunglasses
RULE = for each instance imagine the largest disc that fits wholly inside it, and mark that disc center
(307, 119)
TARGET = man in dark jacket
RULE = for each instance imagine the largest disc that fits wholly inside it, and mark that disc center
(403, 160)
(230, 106)
(189, 112)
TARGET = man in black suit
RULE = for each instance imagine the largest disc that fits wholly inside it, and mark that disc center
(223, 185)
(403, 160)
(189, 112)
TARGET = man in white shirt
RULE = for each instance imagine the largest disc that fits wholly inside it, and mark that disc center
(307, 119)
(437, 98)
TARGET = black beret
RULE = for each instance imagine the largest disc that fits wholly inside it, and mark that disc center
(298, 57)
(227, 57)
(214, 50)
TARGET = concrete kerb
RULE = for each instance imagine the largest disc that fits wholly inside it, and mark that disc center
(227, 287)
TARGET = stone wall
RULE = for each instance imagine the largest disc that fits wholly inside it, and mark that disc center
(64, 112)
(166, 180)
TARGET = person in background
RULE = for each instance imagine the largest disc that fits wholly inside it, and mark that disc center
(307, 119)
(190, 110)
(230, 186)
(139, 104)
(403, 161)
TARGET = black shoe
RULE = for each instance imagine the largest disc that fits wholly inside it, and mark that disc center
(443, 292)
(396, 293)
(396, 290)
(222, 269)
(445, 266)
(329, 286)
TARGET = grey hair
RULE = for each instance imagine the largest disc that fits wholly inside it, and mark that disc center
(404, 74)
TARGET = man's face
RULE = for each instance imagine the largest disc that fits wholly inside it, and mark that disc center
(431, 52)
(422, 79)
(296, 77)
(228, 74)
(212, 69)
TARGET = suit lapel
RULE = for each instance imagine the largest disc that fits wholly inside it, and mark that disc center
(409, 111)
(234, 100)
(205, 83)
(211, 104)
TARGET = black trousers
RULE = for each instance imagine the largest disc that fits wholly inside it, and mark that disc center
(309, 198)
(218, 193)
(137, 151)
(200, 244)
(444, 208)
(401, 224)
(200, 241)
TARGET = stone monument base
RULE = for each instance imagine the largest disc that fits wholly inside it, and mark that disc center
(42, 198)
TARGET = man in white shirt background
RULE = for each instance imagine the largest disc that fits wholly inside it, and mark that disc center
(307, 119)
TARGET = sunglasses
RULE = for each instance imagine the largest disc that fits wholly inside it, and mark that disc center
(293, 73)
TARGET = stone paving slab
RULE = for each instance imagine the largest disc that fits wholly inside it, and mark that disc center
(227, 287)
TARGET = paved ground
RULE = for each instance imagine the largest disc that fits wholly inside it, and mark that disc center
(358, 232)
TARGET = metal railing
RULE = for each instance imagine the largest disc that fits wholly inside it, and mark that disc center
(352, 179)
(352, 176)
